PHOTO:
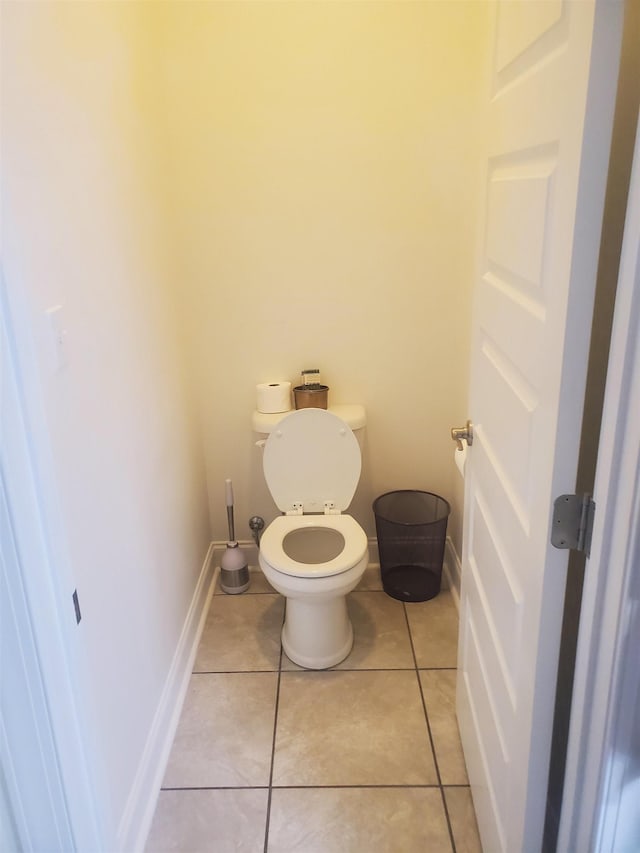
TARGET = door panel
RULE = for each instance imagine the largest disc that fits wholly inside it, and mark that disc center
(546, 163)
(520, 28)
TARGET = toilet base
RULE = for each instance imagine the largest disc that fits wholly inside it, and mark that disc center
(317, 634)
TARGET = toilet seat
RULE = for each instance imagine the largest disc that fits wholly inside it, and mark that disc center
(272, 544)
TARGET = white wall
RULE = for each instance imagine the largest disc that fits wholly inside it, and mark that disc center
(84, 227)
(324, 185)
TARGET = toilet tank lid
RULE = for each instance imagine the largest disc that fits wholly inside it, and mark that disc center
(353, 414)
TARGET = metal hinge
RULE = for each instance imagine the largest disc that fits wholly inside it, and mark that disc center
(573, 522)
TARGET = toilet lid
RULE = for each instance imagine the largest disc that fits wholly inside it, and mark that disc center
(312, 457)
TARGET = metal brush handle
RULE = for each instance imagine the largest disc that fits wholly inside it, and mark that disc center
(229, 498)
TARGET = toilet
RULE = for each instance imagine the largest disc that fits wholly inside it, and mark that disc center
(314, 554)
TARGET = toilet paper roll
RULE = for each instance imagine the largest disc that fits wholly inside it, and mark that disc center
(461, 459)
(273, 397)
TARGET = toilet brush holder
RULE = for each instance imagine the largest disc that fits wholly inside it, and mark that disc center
(234, 571)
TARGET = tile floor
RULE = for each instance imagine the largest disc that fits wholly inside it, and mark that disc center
(363, 758)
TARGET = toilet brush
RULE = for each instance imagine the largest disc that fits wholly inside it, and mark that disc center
(234, 571)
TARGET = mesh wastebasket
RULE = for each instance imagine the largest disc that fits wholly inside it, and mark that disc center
(412, 529)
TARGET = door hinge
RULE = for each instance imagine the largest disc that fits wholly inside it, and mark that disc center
(573, 522)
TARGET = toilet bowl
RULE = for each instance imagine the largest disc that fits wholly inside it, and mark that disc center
(313, 554)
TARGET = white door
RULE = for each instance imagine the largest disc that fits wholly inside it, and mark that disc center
(549, 118)
(29, 771)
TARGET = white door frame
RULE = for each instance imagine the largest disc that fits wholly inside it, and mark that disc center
(612, 579)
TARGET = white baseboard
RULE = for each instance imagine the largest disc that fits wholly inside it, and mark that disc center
(138, 814)
(452, 572)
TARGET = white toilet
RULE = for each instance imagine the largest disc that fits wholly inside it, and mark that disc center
(314, 554)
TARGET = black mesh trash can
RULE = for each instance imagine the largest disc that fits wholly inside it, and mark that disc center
(412, 529)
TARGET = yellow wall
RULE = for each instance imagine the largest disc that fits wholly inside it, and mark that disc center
(322, 158)
(84, 227)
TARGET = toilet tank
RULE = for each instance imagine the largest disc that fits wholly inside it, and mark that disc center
(353, 415)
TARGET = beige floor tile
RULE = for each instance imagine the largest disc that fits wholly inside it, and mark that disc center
(242, 633)
(205, 821)
(370, 579)
(257, 584)
(357, 820)
(463, 820)
(434, 630)
(225, 733)
(439, 687)
(351, 728)
(381, 637)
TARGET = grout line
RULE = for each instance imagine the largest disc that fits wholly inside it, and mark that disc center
(331, 669)
(356, 787)
(305, 787)
(426, 717)
(424, 704)
(234, 671)
(223, 595)
(216, 788)
(273, 747)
